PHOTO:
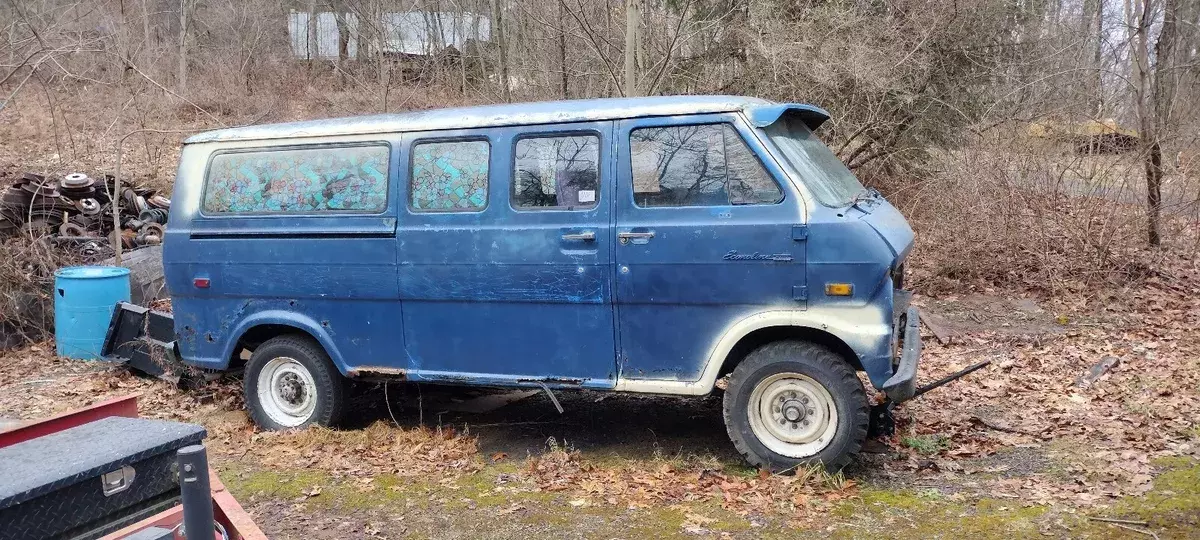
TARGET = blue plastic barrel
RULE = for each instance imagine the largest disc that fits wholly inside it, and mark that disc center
(84, 299)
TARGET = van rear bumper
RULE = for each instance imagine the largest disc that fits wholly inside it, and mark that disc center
(902, 385)
(142, 338)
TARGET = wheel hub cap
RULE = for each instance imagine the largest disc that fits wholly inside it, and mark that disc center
(287, 391)
(291, 389)
(792, 415)
(793, 411)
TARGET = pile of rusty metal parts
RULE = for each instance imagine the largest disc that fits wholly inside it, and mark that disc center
(75, 212)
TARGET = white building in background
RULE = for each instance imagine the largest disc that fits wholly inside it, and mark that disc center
(409, 33)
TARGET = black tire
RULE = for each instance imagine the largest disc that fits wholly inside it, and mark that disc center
(331, 388)
(823, 366)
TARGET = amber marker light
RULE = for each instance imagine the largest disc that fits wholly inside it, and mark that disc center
(838, 289)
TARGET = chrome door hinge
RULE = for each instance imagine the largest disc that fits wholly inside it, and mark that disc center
(799, 232)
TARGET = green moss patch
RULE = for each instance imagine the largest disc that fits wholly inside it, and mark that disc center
(927, 514)
(927, 444)
(1174, 502)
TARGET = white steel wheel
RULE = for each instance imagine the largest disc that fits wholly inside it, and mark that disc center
(287, 391)
(792, 415)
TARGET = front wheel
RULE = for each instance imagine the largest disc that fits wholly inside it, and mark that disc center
(290, 382)
(793, 403)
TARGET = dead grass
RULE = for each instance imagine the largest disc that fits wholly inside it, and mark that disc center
(374, 450)
(27, 266)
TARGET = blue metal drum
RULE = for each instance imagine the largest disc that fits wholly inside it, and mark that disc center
(84, 299)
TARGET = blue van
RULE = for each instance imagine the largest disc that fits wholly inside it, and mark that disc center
(652, 245)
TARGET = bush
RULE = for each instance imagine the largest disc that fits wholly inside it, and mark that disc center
(26, 289)
(1012, 213)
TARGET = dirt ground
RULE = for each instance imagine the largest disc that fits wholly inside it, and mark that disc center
(1019, 449)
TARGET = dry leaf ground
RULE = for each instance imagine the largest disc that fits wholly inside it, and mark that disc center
(1017, 450)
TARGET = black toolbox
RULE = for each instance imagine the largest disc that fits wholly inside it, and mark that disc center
(92, 479)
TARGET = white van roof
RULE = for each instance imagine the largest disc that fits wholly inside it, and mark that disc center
(761, 112)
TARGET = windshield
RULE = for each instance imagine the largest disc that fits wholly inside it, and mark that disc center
(825, 175)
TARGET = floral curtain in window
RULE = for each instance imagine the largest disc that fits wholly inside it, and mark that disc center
(298, 180)
(449, 175)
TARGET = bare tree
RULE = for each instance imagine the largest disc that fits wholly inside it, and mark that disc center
(562, 51)
(632, 21)
(502, 47)
(1153, 94)
(185, 6)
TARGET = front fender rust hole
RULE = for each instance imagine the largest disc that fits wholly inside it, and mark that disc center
(291, 302)
(209, 338)
(325, 324)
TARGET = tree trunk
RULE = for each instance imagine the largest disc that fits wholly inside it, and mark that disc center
(562, 49)
(631, 47)
(502, 45)
(181, 76)
(145, 25)
(341, 19)
(1098, 58)
(380, 34)
(1091, 30)
(126, 44)
(1151, 98)
(1154, 174)
(311, 50)
(1163, 96)
(343, 29)
(1138, 15)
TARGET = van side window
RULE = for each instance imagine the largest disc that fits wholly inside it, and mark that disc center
(449, 176)
(560, 172)
(298, 180)
(697, 165)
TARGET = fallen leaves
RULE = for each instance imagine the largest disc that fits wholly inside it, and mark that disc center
(641, 484)
(1107, 433)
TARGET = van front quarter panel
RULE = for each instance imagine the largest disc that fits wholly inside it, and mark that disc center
(844, 249)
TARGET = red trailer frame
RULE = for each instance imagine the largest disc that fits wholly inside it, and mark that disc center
(237, 523)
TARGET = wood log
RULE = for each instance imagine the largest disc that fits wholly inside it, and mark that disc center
(937, 326)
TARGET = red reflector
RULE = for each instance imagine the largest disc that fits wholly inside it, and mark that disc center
(200, 282)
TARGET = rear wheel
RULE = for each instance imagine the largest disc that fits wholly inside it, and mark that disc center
(793, 403)
(290, 382)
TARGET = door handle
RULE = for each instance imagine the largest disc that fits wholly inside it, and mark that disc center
(637, 237)
(585, 236)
